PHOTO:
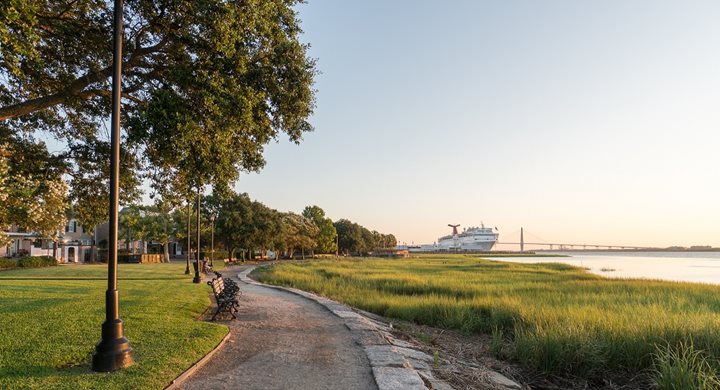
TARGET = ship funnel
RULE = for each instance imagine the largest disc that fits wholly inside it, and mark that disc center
(455, 232)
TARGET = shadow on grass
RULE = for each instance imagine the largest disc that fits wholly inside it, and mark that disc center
(47, 371)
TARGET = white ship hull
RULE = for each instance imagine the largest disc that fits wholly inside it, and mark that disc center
(467, 246)
(479, 239)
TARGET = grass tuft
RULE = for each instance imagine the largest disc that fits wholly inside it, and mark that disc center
(683, 367)
(496, 342)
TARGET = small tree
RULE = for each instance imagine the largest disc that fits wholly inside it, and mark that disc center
(234, 223)
(34, 194)
(130, 221)
(158, 225)
(325, 239)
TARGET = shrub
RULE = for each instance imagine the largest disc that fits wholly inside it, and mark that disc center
(36, 262)
(7, 263)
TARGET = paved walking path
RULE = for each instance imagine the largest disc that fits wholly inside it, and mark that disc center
(284, 341)
(286, 338)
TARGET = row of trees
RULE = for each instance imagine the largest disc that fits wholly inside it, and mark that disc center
(354, 238)
(242, 227)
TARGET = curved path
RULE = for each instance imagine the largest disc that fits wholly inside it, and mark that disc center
(283, 341)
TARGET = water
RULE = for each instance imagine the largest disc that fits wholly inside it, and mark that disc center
(700, 267)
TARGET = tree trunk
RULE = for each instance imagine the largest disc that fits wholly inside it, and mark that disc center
(93, 253)
(166, 253)
(302, 252)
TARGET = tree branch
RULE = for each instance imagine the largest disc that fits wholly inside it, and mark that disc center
(75, 88)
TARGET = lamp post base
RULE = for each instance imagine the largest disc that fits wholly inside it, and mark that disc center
(113, 352)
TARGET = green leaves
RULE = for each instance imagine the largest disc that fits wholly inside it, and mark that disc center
(325, 240)
(205, 84)
(353, 237)
(32, 192)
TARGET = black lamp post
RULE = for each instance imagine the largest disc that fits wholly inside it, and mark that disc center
(212, 239)
(113, 352)
(196, 279)
(187, 257)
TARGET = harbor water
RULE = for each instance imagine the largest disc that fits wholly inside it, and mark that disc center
(700, 267)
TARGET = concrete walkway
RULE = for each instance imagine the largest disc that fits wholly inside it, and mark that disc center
(284, 341)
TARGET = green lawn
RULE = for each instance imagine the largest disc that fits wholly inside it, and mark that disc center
(553, 317)
(50, 322)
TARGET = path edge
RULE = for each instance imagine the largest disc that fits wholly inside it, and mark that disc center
(390, 369)
(174, 385)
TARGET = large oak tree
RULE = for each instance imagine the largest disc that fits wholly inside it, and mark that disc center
(206, 84)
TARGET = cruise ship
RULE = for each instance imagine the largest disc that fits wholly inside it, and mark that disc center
(479, 239)
(471, 239)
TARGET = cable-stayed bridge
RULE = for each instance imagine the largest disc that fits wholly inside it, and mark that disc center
(539, 243)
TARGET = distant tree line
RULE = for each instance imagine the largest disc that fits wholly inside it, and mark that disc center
(244, 227)
(356, 239)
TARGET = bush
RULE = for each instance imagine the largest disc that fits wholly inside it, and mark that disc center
(36, 262)
(7, 263)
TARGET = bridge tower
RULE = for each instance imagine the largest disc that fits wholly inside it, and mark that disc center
(522, 241)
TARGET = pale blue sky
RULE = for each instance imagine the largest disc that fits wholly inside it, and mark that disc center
(581, 121)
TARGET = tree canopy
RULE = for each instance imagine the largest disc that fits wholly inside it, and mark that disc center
(206, 85)
(32, 190)
(355, 238)
(325, 241)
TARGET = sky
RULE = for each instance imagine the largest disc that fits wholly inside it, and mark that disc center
(582, 122)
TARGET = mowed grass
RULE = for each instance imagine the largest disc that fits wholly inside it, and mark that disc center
(553, 317)
(50, 322)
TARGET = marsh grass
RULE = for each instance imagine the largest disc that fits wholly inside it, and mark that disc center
(50, 322)
(496, 341)
(556, 318)
(684, 367)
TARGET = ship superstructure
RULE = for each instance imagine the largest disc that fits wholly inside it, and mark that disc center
(471, 239)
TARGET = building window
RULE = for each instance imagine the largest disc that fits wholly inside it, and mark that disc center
(71, 227)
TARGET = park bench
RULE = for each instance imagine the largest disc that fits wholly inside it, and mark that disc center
(226, 295)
